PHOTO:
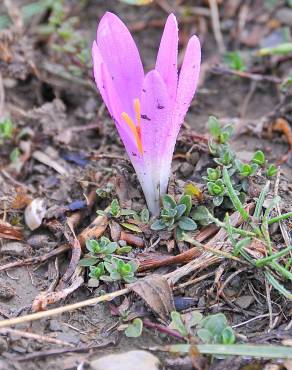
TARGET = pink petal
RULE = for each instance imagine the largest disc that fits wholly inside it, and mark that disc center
(100, 75)
(121, 57)
(155, 113)
(166, 63)
(188, 80)
(156, 119)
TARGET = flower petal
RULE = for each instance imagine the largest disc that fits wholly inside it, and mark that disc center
(121, 57)
(99, 75)
(166, 63)
(188, 80)
(156, 118)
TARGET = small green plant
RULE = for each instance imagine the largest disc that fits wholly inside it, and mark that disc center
(212, 329)
(103, 265)
(271, 170)
(115, 211)
(6, 129)
(245, 169)
(235, 61)
(102, 246)
(120, 270)
(66, 40)
(100, 249)
(259, 158)
(257, 228)
(238, 171)
(174, 216)
(134, 330)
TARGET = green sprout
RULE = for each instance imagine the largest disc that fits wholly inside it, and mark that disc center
(97, 271)
(100, 250)
(220, 134)
(212, 329)
(259, 158)
(213, 174)
(175, 215)
(271, 170)
(115, 211)
(215, 329)
(235, 61)
(6, 129)
(120, 270)
(102, 246)
(245, 169)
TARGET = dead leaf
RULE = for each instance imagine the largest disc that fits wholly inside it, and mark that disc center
(9, 232)
(156, 292)
(21, 200)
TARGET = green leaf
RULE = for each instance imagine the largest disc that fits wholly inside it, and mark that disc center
(134, 265)
(124, 250)
(278, 286)
(90, 261)
(187, 201)
(214, 127)
(134, 330)
(110, 248)
(259, 158)
(187, 224)
(205, 335)
(168, 201)
(245, 350)
(129, 279)
(233, 196)
(145, 216)
(234, 60)
(158, 225)
(127, 212)
(280, 49)
(201, 213)
(228, 336)
(240, 245)
(271, 171)
(131, 227)
(177, 323)
(91, 245)
(115, 208)
(217, 201)
(214, 323)
(180, 210)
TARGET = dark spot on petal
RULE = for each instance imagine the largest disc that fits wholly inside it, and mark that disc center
(134, 154)
(113, 78)
(160, 106)
(143, 90)
(143, 116)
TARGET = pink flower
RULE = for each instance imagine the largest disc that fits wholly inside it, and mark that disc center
(148, 110)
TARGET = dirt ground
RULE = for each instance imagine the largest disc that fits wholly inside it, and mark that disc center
(68, 147)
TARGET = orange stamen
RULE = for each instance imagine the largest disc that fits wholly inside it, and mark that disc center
(136, 130)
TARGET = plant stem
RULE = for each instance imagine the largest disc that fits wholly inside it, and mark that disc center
(282, 270)
(280, 218)
(233, 196)
(232, 228)
(264, 261)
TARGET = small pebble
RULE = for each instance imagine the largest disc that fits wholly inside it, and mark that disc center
(186, 169)
(132, 360)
